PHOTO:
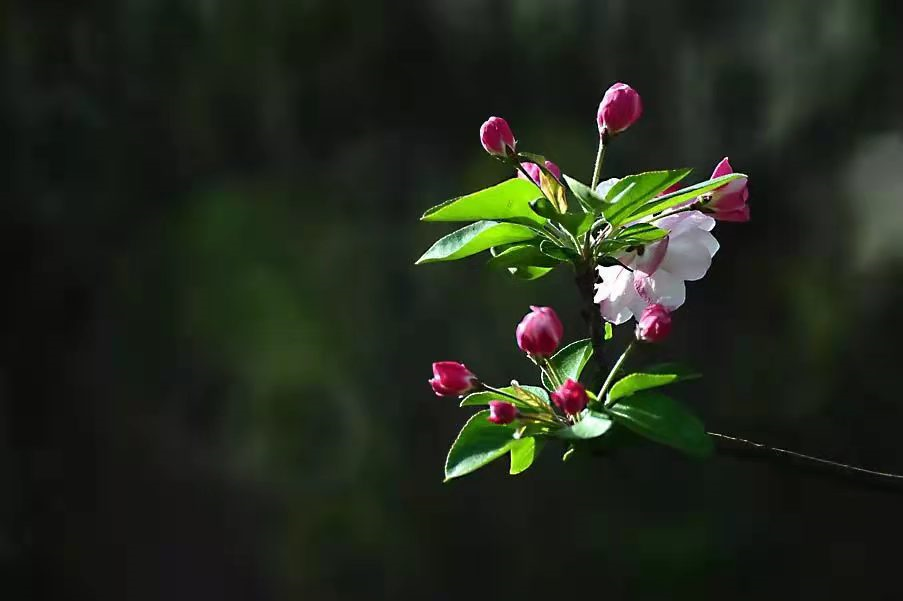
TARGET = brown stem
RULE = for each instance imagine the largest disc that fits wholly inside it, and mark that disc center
(586, 280)
(746, 450)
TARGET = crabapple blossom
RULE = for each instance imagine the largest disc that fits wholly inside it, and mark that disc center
(452, 379)
(620, 107)
(539, 332)
(729, 201)
(570, 397)
(501, 412)
(496, 137)
(654, 324)
(656, 273)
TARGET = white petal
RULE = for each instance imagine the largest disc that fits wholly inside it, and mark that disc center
(662, 287)
(616, 295)
(609, 276)
(690, 255)
(603, 187)
(653, 256)
(687, 221)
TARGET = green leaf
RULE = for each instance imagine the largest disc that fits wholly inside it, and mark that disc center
(528, 396)
(609, 330)
(591, 425)
(475, 238)
(527, 273)
(641, 234)
(570, 361)
(576, 223)
(591, 201)
(507, 201)
(661, 419)
(478, 443)
(523, 452)
(544, 209)
(632, 191)
(651, 378)
(561, 254)
(521, 255)
(662, 203)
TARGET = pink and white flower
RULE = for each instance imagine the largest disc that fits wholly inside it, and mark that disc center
(656, 274)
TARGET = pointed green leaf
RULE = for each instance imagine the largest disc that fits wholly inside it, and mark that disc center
(475, 238)
(527, 273)
(521, 255)
(528, 396)
(560, 253)
(507, 201)
(591, 201)
(591, 425)
(632, 191)
(663, 203)
(576, 223)
(570, 361)
(661, 419)
(523, 452)
(641, 234)
(651, 378)
(478, 443)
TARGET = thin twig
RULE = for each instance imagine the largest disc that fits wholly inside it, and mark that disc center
(732, 446)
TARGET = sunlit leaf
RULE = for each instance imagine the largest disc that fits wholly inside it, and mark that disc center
(476, 238)
(570, 361)
(591, 425)
(523, 453)
(478, 443)
(667, 201)
(507, 201)
(651, 378)
(630, 192)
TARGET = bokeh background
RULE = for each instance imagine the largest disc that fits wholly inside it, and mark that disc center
(214, 345)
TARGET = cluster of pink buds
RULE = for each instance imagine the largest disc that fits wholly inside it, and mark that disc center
(539, 334)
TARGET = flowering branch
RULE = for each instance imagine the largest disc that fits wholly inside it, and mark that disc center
(632, 244)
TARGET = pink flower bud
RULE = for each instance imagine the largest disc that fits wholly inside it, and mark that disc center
(729, 201)
(671, 188)
(501, 412)
(570, 397)
(452, 379)
(539, 332)
(533, 171)
(496, 137)
(620, 107)
(654, 324)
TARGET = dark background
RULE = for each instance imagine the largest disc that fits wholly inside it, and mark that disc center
(214, 344)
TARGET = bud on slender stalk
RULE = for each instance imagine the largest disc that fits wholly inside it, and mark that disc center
(452, 379)
(501, 412)
(497, 138)
(620, 108)
(539, 332)
(570, 397)
(654, 324)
